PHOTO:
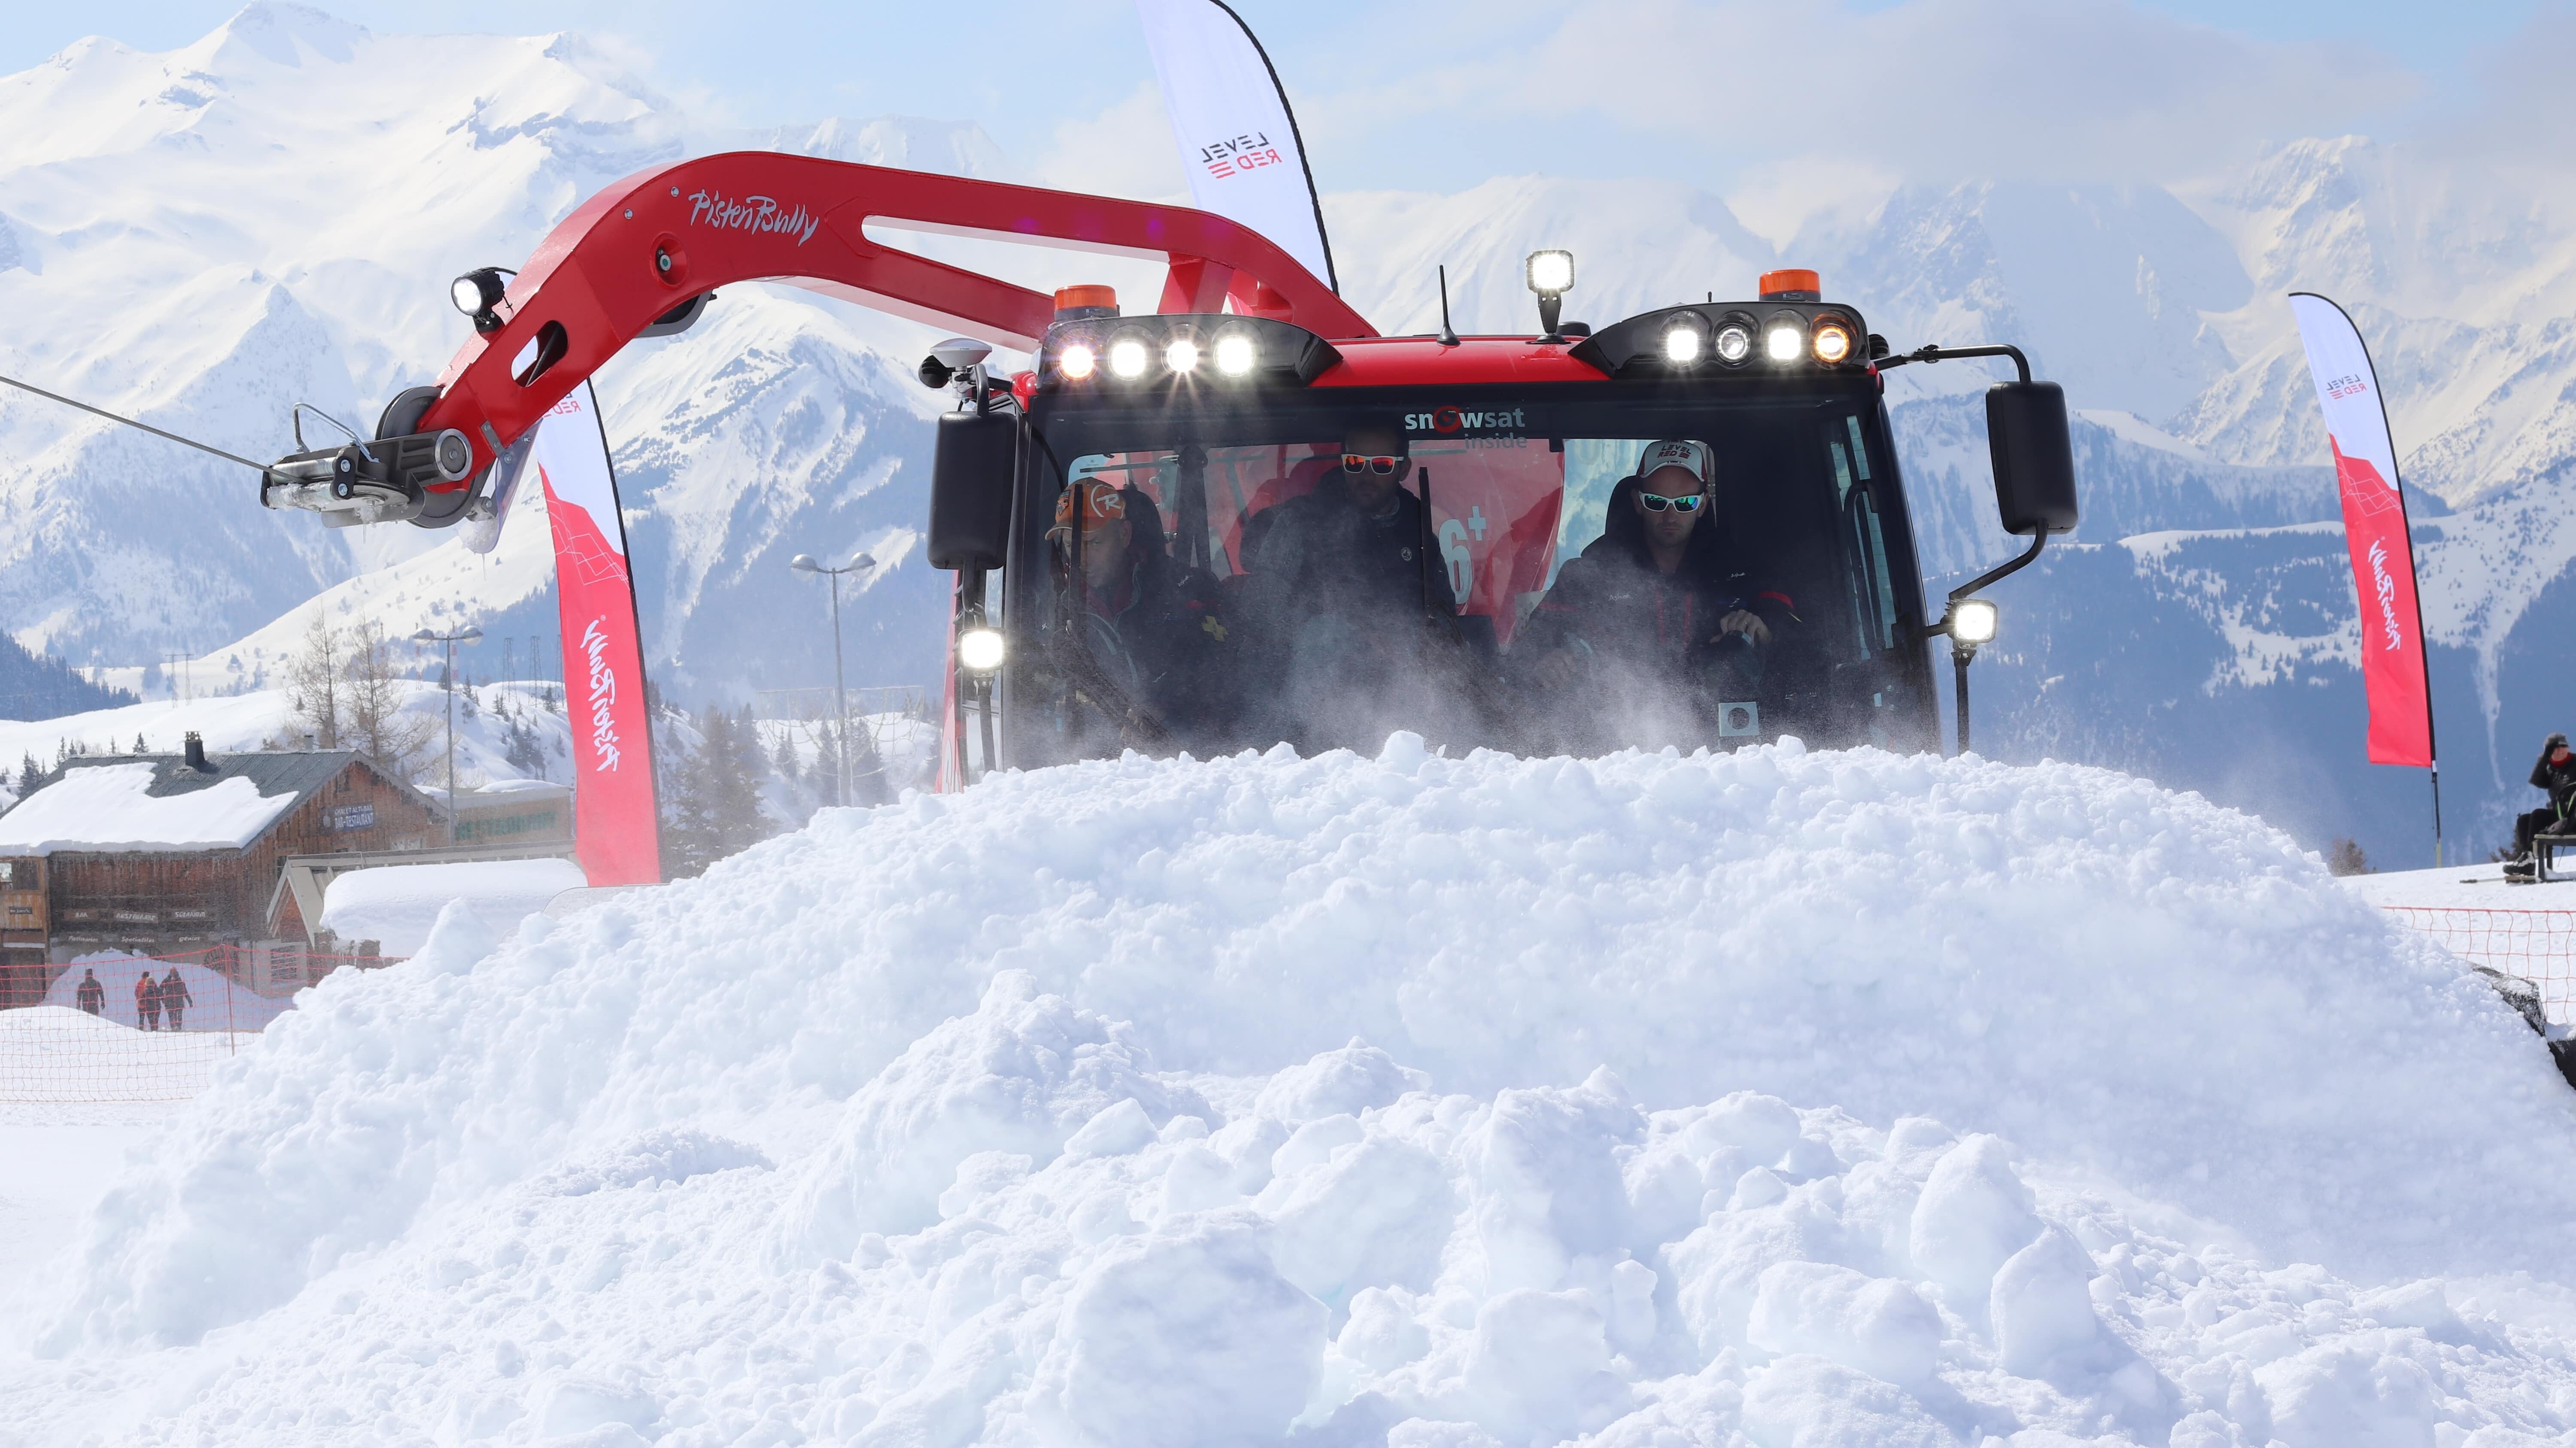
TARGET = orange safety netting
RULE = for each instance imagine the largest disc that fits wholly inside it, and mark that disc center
(121, 1044)
(2537, 945)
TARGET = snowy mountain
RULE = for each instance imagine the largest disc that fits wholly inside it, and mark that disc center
(208, 236)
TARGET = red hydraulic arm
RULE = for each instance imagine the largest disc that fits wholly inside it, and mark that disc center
(653, 241)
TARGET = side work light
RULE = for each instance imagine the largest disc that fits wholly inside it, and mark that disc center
(1973, 620)
(476, 294)
(980, 649)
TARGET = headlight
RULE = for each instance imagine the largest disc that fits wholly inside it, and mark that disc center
(1077, 361)
(1236, 353)
(1785, 337)
(1972, 621)
(1551, 273)
(468, 296)
(979, 649)
(1734, 342)
(1127, 357)
(1685, 340)
(1832, 340)
(1182, 356)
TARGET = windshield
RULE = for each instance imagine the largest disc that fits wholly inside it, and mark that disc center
(1513, 568)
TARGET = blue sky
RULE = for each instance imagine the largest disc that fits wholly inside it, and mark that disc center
(1441, 93)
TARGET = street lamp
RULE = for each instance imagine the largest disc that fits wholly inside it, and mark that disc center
(465, 635)
(804, 563)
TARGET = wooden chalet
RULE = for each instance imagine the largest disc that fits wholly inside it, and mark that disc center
(161, 854)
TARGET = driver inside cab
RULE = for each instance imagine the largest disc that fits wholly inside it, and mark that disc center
(1152, 625)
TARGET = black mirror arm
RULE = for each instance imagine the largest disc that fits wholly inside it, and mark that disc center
(1936, 353)
(2009, 566)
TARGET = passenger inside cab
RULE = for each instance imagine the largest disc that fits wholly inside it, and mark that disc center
(1655, 634)
(1357, 625)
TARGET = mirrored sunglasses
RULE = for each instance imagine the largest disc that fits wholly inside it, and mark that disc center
(1360, 463)
(1686, 503)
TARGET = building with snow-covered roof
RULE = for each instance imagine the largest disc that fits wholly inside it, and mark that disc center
(161, 854)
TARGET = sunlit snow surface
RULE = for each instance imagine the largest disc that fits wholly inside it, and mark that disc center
(1769, 1098)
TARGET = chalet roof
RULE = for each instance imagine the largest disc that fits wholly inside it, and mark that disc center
(139, 802)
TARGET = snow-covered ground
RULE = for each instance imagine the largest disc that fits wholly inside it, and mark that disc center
(2461, 887)
(1769, 1098)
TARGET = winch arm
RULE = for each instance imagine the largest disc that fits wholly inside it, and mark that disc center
(648, 246)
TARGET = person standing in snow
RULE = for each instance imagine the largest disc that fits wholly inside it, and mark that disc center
(175, 999)
(2555, 776)
(1651, 616)
(89, 995)
(147, 1002)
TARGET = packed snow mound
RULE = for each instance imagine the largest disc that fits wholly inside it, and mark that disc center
(1892, 1098)
(397, 905)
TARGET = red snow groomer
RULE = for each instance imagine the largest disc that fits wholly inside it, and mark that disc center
(1245, 517)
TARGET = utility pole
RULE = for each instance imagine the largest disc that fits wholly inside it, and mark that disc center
(465, 635)
(804, 563)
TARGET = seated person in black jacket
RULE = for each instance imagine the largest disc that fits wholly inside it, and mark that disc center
(1152, 625)
(1650, 629)
(2555, 776)
(1354, 608)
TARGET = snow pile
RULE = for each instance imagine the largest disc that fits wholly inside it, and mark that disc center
(1816, 1098)
(396, 905)
(105, 807)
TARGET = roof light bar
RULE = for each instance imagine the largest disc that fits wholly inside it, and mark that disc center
(1180, 350)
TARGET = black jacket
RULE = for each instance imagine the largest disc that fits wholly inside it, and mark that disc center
(2558, 781)
(1163, 634)
(1319, 555)
(1612, 604)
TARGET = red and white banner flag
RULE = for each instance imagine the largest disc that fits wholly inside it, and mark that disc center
(616, 822)
(1238, 142)
(2374, 527)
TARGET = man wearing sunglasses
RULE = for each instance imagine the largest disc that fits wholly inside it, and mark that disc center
(1350, 603)
(1649, 614)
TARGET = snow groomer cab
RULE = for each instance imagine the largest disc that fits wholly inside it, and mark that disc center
(1206, 531)
(1245, 517)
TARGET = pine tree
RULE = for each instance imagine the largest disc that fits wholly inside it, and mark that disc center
(139, 746)
(688, 835)
(524, 753)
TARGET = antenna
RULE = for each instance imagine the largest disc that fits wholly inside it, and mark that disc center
(1448, 334)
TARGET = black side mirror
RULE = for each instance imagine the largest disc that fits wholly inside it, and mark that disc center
(970, 489)
(2033, 456)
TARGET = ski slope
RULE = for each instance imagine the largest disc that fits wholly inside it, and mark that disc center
(1779, 1097)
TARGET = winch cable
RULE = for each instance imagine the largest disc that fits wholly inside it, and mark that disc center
(264, 469)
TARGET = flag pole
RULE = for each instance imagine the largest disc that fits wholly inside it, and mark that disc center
(2406, 524)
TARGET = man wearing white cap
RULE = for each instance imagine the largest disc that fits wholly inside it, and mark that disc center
(1648, 606)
